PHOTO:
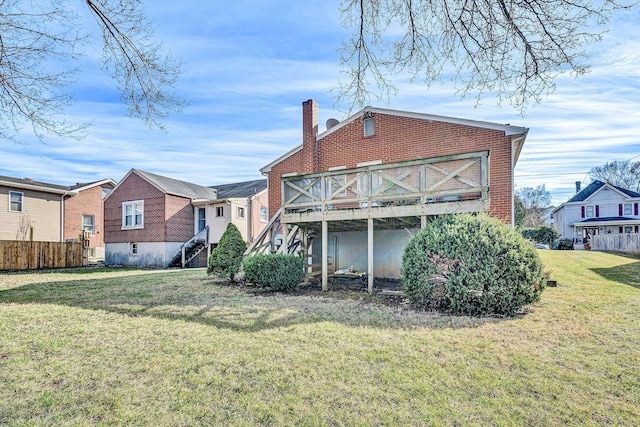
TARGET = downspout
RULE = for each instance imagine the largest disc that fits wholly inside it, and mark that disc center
(248, 219)
(513, 171)
(62, 217)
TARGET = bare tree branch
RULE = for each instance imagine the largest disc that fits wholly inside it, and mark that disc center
(40, 44)
(514, 49)
(621, 173)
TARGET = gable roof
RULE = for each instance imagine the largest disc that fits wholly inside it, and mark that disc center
(518, 132)
(80, 186)
(595, 186)
(240, 189)
(175, 187)
(30, 184)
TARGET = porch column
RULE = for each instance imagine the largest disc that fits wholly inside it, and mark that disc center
(423, 221)
(370, 254)
(325, 255)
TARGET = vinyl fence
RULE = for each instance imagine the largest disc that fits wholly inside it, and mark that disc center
(26, 255)
(623, 242)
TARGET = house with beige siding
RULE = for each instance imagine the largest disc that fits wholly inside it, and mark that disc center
(40, 211)
(245, 204)
(32, 210)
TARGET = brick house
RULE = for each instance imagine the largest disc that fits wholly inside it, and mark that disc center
(352, 195)
(156, 221)
(85, 212)
(599, 208)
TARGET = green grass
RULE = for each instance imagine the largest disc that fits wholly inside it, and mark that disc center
(114, 347)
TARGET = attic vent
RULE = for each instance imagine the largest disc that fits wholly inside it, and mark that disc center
(331, 123)
(369, 126)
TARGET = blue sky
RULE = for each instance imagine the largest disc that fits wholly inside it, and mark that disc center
(248, 66)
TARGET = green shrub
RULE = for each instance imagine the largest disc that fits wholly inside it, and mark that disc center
(226, 258)
(543, 234)
(471, 265)
(278, 272)
(565, 245)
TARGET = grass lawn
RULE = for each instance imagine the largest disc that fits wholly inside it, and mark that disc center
(170, 348)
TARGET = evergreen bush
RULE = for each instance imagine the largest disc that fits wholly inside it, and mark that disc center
(226, 258)
(565, 245)
(471, 265)
(544, 234)
(278, 272)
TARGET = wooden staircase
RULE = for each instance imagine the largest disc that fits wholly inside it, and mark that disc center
(191, 249)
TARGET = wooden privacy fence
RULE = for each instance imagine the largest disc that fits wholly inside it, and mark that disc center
(623, 242)
(26, 255)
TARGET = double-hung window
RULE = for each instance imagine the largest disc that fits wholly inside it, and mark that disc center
(133, 214)
(88, 224)
(15, 201)
(628, 209)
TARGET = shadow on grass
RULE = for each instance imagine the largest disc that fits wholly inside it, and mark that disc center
(627, 274)
(191, 297)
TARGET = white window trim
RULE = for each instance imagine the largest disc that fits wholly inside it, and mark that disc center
(133, 248)
(220, 209)
(266, 214)
(240, 212)
(593, 211)
(133, 226)
(369, 130)
(21, 201)
(93, 226)
(624, 209)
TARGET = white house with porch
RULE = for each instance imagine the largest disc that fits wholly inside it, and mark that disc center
(597, 209)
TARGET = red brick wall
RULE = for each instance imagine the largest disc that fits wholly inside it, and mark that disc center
(135, 188)
(179, 225)
(87, 202)
(403, 138)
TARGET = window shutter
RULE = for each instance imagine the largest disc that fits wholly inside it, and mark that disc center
(597, 211)
(582, 209)
(635, 209)
(620, 209)
(620, 229)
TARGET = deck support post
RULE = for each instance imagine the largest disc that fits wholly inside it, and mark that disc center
(370, 277)
(325, 255)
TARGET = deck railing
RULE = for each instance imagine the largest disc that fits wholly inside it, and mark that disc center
(435, 180)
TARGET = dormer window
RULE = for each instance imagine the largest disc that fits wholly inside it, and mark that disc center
(369, 126)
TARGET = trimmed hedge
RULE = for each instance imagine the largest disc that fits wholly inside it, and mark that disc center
(471, 265)
(278, 272)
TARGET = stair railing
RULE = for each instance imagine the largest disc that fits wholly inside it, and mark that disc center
(199, 236)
